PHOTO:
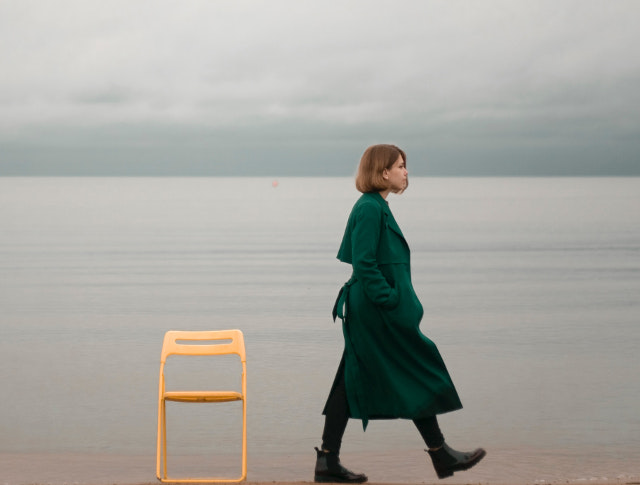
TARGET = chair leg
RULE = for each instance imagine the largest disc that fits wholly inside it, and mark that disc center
(244, 438)
(159, 442)
(164, 438)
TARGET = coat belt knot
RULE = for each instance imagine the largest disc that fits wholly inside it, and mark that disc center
(341, 307)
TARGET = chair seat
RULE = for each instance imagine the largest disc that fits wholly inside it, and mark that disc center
(202, 396)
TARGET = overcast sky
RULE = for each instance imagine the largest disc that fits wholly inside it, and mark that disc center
(297, 87)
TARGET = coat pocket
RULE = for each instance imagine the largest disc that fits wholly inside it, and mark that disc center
(409, 311)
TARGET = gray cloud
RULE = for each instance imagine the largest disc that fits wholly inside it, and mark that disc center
(290, 87)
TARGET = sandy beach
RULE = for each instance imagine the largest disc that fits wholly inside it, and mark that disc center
(388, 469)
(451, 481)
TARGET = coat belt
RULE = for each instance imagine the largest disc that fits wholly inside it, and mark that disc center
(341, 306)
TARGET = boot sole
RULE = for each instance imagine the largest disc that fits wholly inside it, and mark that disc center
(323, 479)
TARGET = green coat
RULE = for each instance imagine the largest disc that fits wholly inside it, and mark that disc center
(391, 369)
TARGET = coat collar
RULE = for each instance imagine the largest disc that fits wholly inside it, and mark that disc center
(379, 199)
(390, 220)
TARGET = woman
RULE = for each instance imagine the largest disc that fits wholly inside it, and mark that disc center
(389, 369)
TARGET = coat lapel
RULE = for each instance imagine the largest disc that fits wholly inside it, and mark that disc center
(388, 216)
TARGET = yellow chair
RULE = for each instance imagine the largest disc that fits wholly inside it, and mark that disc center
(220, 342)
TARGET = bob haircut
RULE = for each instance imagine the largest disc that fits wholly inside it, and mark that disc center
(373, 163)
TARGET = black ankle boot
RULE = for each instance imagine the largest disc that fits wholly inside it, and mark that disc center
(329, 469)
(447, 460)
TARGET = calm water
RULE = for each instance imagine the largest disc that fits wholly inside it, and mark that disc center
(530, 288)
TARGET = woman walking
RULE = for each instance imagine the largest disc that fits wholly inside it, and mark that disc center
(389, 369)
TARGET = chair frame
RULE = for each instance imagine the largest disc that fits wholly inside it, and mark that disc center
(172, 346)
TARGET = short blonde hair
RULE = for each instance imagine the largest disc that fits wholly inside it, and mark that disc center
(373, 163)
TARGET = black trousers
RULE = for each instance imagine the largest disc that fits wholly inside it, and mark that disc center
(337, 415)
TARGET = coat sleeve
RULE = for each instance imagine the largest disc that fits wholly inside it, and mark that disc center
(365, 237)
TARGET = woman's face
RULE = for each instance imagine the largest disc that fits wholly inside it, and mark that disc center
(397, 176)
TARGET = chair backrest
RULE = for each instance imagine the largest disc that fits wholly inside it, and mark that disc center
(185, 342)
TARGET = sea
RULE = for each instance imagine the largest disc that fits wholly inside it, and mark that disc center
(531, 290)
